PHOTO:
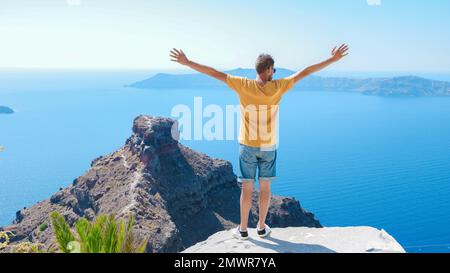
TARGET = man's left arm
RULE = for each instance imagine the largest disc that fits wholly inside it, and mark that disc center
(336, 55)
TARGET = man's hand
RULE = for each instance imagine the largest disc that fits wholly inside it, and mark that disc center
(179, 56)
(339, 53)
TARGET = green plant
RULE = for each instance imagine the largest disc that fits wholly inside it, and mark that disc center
(104, 235)
(43, 227)
(62, 231)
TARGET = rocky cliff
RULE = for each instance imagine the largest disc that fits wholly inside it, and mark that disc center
(179, 197)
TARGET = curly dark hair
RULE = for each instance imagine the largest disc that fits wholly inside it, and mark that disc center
(264, 62)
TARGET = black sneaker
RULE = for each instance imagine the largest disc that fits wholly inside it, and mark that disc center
(264, 232)
(241, 235)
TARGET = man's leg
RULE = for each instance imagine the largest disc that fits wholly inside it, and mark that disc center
(267, 173)
(264, 202)
(246, 203)
(247, 165)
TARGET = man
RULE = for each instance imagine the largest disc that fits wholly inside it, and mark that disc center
(259, 101)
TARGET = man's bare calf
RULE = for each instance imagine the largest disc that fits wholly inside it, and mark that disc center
(246, 203)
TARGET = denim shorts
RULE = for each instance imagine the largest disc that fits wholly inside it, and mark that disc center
(252, 159)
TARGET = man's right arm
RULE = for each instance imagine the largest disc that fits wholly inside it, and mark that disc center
(179, 57)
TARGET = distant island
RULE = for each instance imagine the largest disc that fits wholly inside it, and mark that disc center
(405, 86)
(6, 110)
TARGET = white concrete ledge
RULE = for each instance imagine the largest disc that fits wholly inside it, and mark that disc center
(303, 240)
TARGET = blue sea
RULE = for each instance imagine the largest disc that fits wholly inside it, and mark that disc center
(351, 159)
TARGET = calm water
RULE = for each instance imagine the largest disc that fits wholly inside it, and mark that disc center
(351, 159)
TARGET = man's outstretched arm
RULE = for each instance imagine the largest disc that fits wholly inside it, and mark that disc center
(179, 57)
(336, 55)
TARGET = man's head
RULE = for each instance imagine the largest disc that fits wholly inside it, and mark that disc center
(265, 67)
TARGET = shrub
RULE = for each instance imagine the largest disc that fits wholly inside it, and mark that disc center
(43, 227)
(104, 235)
(5, 237)
(25, 247)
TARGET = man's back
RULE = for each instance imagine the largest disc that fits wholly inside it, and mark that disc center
(259, 109)
(251, 93)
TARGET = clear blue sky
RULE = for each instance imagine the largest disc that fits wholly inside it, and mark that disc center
(397, 35)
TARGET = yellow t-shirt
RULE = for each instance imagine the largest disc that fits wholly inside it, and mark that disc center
(259, 109)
